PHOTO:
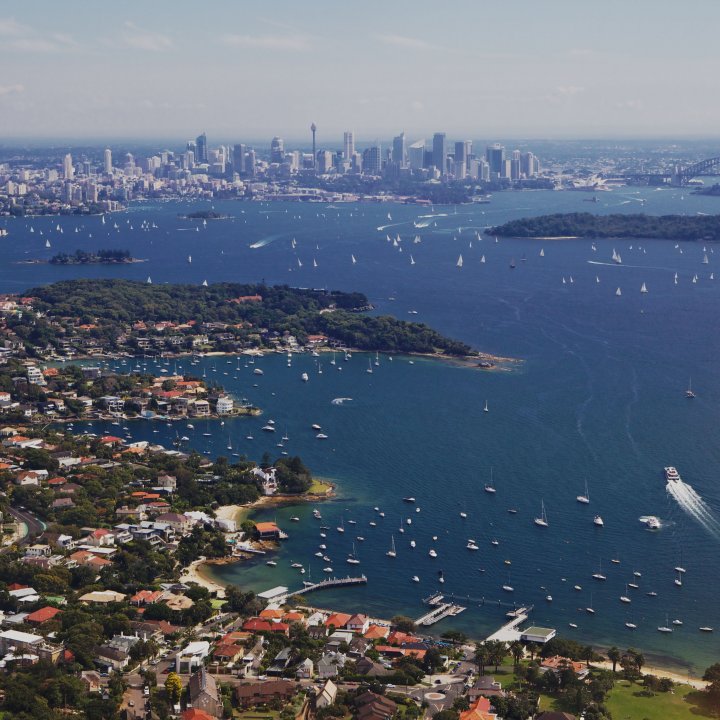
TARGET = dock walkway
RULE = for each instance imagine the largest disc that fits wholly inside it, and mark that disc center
(509, 631)
(329, 583)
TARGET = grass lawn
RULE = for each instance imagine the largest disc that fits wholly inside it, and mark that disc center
(319, 487)
(256, 714)
(623, 702)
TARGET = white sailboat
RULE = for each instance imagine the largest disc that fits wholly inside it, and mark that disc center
(482, 259)
(412, 260)
(585, 497)
(314, 263)
(666, 627)
(352, 257)
(618, 292)
(486, 409)
(705, 259)
(369, 368)
(149, 280)
(47, 243)
(542, 252)
(643, 288)
(490, 486)
(299, 263)
(205, 283)
(460, 261)
(353, 558)
(542, 520)
(624, 598)
(391, 552)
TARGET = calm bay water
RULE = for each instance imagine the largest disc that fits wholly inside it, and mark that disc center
(599, 396)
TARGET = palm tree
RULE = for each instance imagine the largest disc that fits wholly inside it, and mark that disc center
(482, 656)
(614, 657)
(498, 651)
(517, 651)
(532, 648)
(639, 660)
(587, 654)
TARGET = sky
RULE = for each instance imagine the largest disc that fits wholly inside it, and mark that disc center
(244, 70)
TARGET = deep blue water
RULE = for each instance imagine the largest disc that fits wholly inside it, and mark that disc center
(599, 396)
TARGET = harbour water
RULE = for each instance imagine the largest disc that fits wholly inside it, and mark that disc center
(599, 396)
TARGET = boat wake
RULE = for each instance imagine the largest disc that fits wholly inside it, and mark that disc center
(263, 242)
(339, 401)
(623, 265)
(695, 506)
(389, 225)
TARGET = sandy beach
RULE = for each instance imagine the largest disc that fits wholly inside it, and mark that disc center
(193, 574)
(676, 677)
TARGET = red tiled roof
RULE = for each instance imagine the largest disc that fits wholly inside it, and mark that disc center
(42, 615)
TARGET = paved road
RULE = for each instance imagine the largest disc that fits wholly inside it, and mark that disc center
(34, 526)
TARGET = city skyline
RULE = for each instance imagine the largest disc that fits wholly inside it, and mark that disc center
(476, 70)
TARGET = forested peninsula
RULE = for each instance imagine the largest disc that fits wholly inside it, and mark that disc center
(587, 225)
(123, 314)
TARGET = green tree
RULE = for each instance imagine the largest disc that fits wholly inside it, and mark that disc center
(403, 624)
(517, 651)
(498, 651)
(482, 656)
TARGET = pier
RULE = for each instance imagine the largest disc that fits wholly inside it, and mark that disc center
(329, 583)
(440, 610)
(509, 631)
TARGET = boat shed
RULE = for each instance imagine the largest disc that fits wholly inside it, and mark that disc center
(274, 593)
(537, 634)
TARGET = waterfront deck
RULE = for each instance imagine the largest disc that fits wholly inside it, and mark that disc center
(440, 610)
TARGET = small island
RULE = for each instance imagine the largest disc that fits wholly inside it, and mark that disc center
(587, 225)
(101, 257)
(205, 215)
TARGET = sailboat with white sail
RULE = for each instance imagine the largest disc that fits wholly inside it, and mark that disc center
(585, 497)
(459, 261)
(542, 520)
(391, 552)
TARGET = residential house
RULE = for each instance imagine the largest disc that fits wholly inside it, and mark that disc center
(305, 670)
(192, 656)
(261, 693)
(330, 664)
(203, 693)
(326, 695)
(371, 706)
(481, 709)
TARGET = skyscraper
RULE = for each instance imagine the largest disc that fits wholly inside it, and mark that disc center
(68, 169)
(313, 129)
(495, 155)
(416, 155)
(238, 158)
(372, 160)
(201, 151)
(439, 152)
(277, 150)
(250, 163)
(107, 164)
(348, 144)
(399, 152)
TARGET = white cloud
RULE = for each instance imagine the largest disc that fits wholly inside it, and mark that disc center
(403, 41)
(268, 42)
(136, 37)
(9, 27)
(11, 89)
(630, 105)
(569, 90)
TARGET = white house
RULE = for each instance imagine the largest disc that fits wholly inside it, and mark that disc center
(192, 656)
(225, 405)
(267, 479)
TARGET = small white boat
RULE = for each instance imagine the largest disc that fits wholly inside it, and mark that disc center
(271, 563)
(432, 553)
(706, 629)
(391, 552)
(598, 521)
(585, 498)
(415, 579)
(304, 377)
(573, 625)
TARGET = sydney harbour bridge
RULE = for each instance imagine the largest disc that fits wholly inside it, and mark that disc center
(681, 173)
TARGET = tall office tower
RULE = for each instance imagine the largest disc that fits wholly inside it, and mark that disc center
(324, 161)
(439, 152)
(506, 169)
(483, 170)
(191, 146)
(201, 150)
(515, 165)
(68, 169)
(468, 150)
(277, 150)
(460, 161)
(527, 164)
(356, 165)
(416, 155)
(313, 130)
(495, 155)
(238, 158)
(348, 144)
(399, 151)
(250, 163)
(372, 160)
(107, 165)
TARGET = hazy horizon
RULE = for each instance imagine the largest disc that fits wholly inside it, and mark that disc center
(244, 71)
